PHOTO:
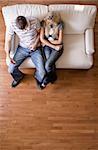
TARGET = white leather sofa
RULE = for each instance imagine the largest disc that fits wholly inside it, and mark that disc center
(78, 32)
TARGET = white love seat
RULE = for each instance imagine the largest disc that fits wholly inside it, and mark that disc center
(78, 39)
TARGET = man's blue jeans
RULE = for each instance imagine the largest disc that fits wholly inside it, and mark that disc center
(20, 55)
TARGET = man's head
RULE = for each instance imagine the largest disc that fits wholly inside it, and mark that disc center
(21, 22)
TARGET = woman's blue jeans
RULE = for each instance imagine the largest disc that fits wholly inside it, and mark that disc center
(51, 56)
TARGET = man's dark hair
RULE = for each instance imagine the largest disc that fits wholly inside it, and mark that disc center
(21, 22)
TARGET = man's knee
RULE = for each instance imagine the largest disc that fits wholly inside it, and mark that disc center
(42, 72)
(48, 66)
(11, 68)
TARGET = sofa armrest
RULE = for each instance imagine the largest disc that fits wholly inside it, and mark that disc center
(89, 41)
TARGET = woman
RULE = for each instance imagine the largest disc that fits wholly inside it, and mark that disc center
(51, 36)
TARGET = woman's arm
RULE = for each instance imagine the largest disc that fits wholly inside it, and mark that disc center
(44, 41)
(60, 38)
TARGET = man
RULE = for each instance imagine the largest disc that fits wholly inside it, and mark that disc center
(27, 30)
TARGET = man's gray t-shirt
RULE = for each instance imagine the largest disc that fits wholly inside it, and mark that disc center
(27, 36)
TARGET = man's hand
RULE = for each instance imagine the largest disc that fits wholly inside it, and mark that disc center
(33, 47)
(10, 60)
(35, 44)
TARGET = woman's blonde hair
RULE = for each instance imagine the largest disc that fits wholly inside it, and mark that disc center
(55, 16)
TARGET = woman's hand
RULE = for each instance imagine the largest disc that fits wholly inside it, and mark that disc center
(57, 47)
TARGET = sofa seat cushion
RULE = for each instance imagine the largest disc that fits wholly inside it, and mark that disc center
(74, 55)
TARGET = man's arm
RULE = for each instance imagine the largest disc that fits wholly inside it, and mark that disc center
(8, 44)
(33, 46)
(8, 47)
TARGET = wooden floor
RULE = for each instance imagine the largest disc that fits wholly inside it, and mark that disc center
(64, 116)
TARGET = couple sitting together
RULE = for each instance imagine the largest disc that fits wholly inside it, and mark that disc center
(43, 42)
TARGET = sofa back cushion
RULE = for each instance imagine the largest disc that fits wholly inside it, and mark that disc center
(77, 18)
(11, 12)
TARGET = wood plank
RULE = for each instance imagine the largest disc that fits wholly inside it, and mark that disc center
(63, 116)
